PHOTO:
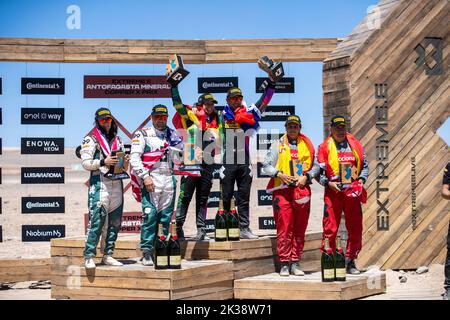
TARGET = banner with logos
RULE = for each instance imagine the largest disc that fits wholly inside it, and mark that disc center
(216, 84)
(285, 85)
(38, 233)
(42, 145)
(54, 116)
(43, 86)
(43, 205)
(45, 175)
(131, 222)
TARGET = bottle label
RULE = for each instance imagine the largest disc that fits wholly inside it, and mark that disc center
(340, 273)
(221, 233)
(328, 273)
(175, 260)
(234, 233)
(161, 261)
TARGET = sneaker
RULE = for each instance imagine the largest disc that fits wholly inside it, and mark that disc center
(89, 263)
(246, 233)
(284, 271)
(446, 295)
(351, 267)
(295, 269)
(147, 259)
(110, 261)
(201, 235)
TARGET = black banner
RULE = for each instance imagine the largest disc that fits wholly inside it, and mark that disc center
(264, 141)
(42, 116)
(34, 175)
(264, 198)
(259, 171)
(43, 204)
(0, 145)
(1, 234)
(1, 205)
(35, 233)
(43, 85)
(1, 85)
(267, 223)
(42, 146)
(1, 120)
(285, 85)
(277, 113)
(216, 84)
(210, 225)
(214, 197)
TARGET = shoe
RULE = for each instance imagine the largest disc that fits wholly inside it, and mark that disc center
(446, 295)
(147, 259)
(246, 233)
(284, 271)
(295, 269)
(180, 234)
(110, 261)
(351, 267)
(201, 235)
(89, 263)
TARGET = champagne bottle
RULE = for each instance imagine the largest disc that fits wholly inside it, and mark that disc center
(327, 263)
(339, 261)
(220, 223)
(174, 248)
(234, 233)
(161, 257)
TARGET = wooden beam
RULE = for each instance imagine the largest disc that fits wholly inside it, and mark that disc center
(157, 51)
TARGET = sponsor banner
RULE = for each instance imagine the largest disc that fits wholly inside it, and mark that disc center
(42, 145)
(277, 113)
(214, 197)
(285, 85)
(0, 175)
(216, 84)
(1, 119)
(131, 222)
(267, 223)
(264, 198)
(259, 171)
(1, 234)
(34, 175)
(210, 225)
(42, 116)
(0, 145)
(1, 85)
(43, 85)
(126, 87)
(264, 141)
(1, 205)
(43, 204)
(34, 233)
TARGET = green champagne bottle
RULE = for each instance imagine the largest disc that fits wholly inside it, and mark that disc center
(161, 256)
(174, 248)
(327, 263)
(234, 233)
(339, 261)
(220, 223)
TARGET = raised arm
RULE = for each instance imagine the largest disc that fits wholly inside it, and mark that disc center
(266, 96)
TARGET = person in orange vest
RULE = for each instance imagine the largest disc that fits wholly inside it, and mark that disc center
(344, 170)
(290, 163)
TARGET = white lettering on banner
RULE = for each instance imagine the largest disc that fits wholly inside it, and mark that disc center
(156, 86)
(207, 85)
(31, 205)
(275, 113)
(346, 158)
(43, 175)
(39, 233)
(36, 116)
(42, 86)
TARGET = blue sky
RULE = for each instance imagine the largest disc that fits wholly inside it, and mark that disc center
(175, 19)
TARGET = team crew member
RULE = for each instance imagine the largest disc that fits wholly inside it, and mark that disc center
(105, 198)
(446, 195)
(343, 150)
(191, 121)
(291, 192)
(237, 120)
(153, 181)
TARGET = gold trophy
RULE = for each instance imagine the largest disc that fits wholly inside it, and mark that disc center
(118, 171)
(175, 71)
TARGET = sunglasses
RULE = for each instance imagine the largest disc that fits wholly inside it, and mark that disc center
(236, 99)
(106, 120)
(159, 117)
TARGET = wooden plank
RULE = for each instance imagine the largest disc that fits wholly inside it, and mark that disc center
(4, 263)
(202, 290)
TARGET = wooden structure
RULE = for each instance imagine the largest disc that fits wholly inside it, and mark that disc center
(17, 270)
(201, 279)
(309, 287)
(157, 51)
(406, 59)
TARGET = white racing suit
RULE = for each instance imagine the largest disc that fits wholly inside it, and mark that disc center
(105, 199)
(152, 157)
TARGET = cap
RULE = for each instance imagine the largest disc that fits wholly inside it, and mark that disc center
(293, 119)
(234, 92)
(337, 121)
(206, 97)
(102, 113)
(160, 109)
